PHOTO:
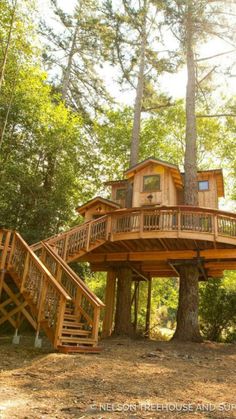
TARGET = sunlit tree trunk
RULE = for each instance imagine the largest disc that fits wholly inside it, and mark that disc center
(187, 328)
(123, 303)
(5, 55)
(135, 137)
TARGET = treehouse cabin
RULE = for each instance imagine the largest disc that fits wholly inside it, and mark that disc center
(155, 183)
(150, 239)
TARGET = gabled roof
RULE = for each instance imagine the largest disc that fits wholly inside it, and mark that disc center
(152, 160)
(96, 201)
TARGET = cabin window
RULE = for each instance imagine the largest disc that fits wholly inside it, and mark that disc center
(203, 185)
(120, 194)
(151, 183)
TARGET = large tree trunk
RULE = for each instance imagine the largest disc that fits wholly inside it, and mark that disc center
(123, 302)
(187, 315)
(135, 137)
(187, 328)
(123, 324)
(134, 152)
(5, 56)
(190, 159)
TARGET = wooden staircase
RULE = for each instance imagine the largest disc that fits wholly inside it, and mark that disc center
(49, 294)
(74, 243)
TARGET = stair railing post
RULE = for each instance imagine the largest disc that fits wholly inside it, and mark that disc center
(96, 317)
(88, 236)
(5, 250)
(65, 247)
(13, 245)
(42, 298)
(25, 272)
(60, 318)
(78, 300)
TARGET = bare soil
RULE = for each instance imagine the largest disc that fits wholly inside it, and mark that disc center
(129, 378)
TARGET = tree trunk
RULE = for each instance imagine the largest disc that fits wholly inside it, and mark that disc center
(123, 303)
(187, 328)
(190, 159)
(123, 324)
(134, 152)
(187, 316)
(66, 78)
(5, 56)
(2, 134)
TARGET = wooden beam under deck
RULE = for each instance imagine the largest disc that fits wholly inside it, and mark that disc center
(210, 254)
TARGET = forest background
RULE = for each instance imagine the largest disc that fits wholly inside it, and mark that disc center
(67, 85)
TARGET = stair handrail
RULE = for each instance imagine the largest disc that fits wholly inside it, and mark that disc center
(54, 240)
(38, 245)
(40, 265)
(76, 279)
(48, 297)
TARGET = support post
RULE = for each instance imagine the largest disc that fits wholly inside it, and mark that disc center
(136, 300)
(148, 312)
(2, 276)
(109, 304)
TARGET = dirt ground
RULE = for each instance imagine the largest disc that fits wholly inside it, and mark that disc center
(129, 378)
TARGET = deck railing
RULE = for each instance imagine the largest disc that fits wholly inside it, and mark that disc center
(189, 219)
(83, 238)
(46, 296)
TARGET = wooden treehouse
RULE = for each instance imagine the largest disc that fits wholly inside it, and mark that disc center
(152, 238)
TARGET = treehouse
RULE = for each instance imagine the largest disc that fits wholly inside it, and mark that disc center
(152, 238)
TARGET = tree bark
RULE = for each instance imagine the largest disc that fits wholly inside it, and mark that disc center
(190, 160)
(123, 324)
(5, 56)
(187, 316)
(134, 152)
(66, 78)
(187, 328)
(135, 137)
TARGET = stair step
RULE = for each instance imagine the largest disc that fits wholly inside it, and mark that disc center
(77, 340)
(69, 311)
(74, 332)
(73, 324)
(70, 316)
(79, 349)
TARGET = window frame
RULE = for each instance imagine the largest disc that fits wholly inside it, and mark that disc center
(202, 181)
(120, 189)
(154, 189)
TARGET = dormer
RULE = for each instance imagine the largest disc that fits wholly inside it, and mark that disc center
(96, 207)
(155, 182)
(210, 187)
(118, 191)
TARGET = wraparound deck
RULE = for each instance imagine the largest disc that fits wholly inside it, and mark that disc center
(150, 238)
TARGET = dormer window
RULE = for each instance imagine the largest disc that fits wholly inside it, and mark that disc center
(151, 183)
(203, 185)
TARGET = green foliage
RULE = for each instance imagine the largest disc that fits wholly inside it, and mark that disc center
(218, 308)
(44, 154)
(162, 136)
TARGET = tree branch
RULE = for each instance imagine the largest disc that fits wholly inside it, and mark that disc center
(214, 56)
(217, 115)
